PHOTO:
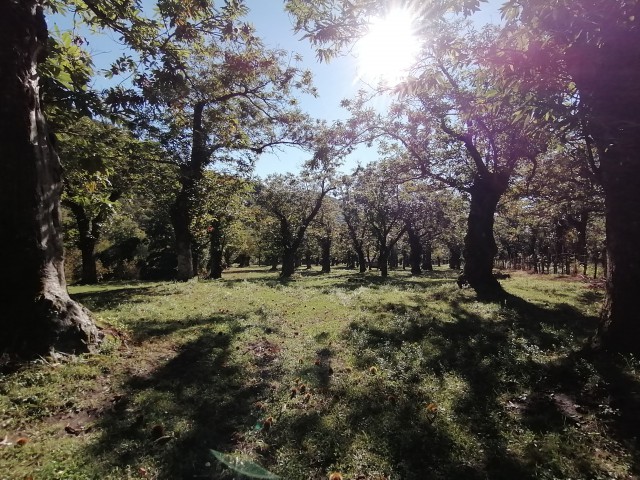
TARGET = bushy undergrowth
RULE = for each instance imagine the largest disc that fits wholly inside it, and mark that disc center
(408, 378)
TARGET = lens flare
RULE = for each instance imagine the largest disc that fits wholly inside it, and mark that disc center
(389, 48)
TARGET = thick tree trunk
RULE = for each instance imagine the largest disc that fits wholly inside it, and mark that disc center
(37, 312)
(362, 260)
(181, 210)
(619, 328)
(415, 255)
(325, 261)
(393, 258)
(288, 263)
(455, 257)
(181, 221)
(383, 261)
(479, 244)
(607, 77)
(89, 269)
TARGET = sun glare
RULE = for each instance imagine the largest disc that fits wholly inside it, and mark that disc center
(388, 49)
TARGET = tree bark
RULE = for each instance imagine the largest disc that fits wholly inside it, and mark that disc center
(38, 313)
(215, 255)
(383, 261)
(455, 257)
(613, 108)
(288, 263)
(427, 262)
(479, 244)
(325, 247)
(86, 243)
(181, 221)
(619, 328)
(181, 211)
(362, 259)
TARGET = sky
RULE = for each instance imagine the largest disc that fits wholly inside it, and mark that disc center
(334, 81)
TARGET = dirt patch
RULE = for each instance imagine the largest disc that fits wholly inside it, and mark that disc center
(264, 351)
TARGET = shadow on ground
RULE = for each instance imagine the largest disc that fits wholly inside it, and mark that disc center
(196, 401)
(526, 403)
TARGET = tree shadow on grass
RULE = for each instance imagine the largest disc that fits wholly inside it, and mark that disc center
(104, 299)
(196, 401)
(518, 380)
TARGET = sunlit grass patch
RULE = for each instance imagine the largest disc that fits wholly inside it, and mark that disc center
(408, 377)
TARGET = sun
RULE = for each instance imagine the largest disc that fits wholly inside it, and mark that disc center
(389, 48)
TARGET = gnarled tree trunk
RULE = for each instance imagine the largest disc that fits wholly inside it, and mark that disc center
(479, 243)
(37, 312)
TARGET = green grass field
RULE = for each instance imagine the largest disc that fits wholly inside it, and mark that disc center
(408, 378)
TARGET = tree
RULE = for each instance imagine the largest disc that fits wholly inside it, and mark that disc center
(425, 219)
(214, 216)
(294, 202)
(230, 103)
(354, 217)
(376, 188)
(587, 54)
(456, 123)
(324, 229)
(102, 164)
(38, 313)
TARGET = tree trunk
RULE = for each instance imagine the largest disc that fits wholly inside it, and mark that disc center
(288, 263)
(89, 269)
(181, 211)
(38, 313)
(479, 244)
(455, 257)
(383, 261)
(215, 252)
(427, 262)
(415, 254)
(325, 246)
(619, 328)
(86, 244)
(607, 76)
(181, 221)
(362, 260)
(393, 258)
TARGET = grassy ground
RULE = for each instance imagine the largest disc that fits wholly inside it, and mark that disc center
(408, 378)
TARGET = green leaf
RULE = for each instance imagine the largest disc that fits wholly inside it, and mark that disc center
(243, 466)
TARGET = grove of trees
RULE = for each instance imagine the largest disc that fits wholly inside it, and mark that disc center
(506, 146)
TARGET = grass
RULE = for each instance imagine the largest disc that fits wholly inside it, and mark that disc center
(408, 378)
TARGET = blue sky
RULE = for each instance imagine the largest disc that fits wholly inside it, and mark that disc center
(335, 80)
